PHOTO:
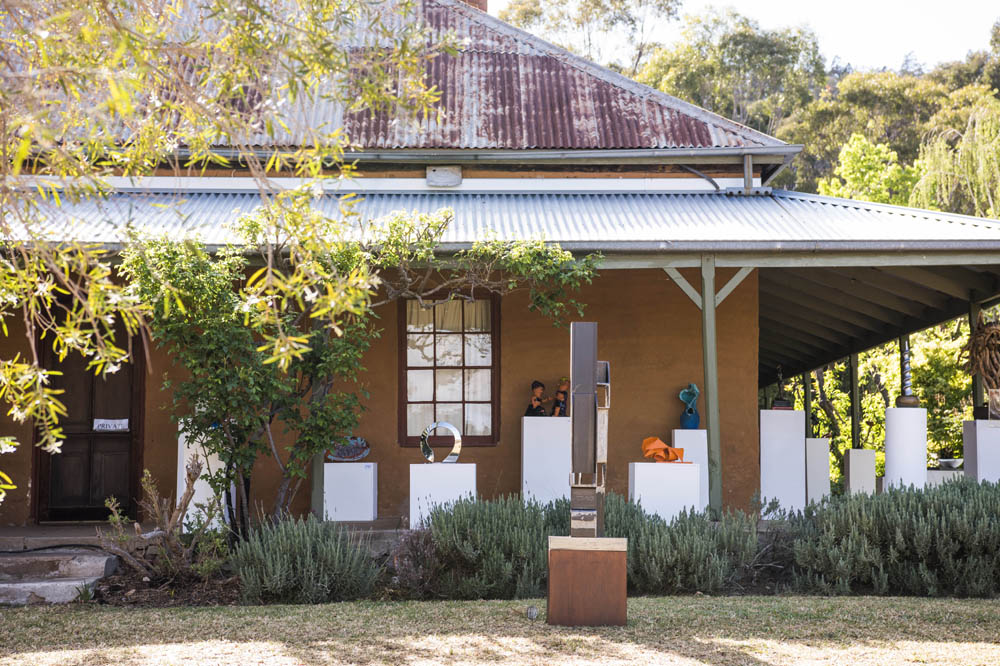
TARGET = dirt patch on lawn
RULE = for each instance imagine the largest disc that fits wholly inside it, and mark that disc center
(131, 589)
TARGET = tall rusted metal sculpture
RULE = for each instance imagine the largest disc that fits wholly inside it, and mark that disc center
(590, 396)
(587, 572)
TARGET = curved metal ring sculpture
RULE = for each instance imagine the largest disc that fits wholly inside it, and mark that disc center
(425, 447)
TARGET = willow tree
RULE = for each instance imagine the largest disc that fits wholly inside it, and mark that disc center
(95, 88)
(961, 170)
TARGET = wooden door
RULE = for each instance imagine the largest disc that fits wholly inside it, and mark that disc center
(100, 454)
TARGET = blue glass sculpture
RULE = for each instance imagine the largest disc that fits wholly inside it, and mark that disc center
(689, 417)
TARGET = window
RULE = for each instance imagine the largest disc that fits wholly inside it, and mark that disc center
(449, 360)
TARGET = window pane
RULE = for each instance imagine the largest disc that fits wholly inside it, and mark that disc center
(449, 385)
(451, 413)
(478, 349)
(418, 417)
(477, 316)
(420, 349)
(449, 350)
(419, 385)
(478, 419)
(449, 316)
(477, 385)
(418, 318)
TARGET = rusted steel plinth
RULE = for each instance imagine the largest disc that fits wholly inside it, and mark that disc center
(587, 582)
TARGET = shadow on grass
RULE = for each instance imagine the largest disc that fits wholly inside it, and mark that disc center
(695, 629)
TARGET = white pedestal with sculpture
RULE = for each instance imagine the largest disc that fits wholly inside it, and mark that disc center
(817, 468)
(203, 493)
(905, 447)
(546, 457)
(981, 444)
(665, 489)
(695, 445)
(350, 491)
(434, 485)
(783, 457)
(859, 471)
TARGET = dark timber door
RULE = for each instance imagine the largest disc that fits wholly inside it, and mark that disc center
(99, 456)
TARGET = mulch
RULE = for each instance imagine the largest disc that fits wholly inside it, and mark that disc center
(128, 588)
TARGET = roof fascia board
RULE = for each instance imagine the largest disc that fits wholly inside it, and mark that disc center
(781, 259)
(677, 155)
(247, 185)
(761, 155)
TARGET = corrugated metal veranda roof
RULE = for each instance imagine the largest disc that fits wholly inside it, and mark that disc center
(861, 274)
(656, 222)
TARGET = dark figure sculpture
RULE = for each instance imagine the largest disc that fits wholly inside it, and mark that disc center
(535, 407)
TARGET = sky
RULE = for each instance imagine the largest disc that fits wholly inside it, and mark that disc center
(868, 34)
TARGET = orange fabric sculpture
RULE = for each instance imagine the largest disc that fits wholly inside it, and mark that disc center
(653, 447)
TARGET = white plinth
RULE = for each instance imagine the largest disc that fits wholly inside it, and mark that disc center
(859, 469)
(905, 447)
(350, 491)
(546, 457)
(935, 477)
(981, 443)
(203, 493)
(664, 489)
(432, 484)
(817, 468)
(695, 445)
(783, 457)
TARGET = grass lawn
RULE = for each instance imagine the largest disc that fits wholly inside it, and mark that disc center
(671, 630)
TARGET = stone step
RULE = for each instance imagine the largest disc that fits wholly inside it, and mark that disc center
(45, 590)
(56, 563)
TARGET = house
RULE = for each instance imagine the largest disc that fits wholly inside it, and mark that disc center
(535, 141)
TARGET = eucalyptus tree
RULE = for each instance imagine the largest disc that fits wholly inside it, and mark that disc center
(727, 63)
(619, 33)
(95, 88)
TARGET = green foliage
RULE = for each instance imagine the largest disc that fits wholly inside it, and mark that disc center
(961, 171)
(304, 562)
(493, 549)
(127, 87)
(934, 542)
(884, 107)
(690, 554)
(730, 65)
(589, 27)
(869, 172)
(256, 364)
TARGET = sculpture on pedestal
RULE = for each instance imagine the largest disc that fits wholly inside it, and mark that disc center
(425, 446)
(589, 403)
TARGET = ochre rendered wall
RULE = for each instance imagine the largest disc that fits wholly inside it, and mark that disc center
(648, 329)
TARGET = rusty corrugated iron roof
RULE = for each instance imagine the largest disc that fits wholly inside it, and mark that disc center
(506, 89)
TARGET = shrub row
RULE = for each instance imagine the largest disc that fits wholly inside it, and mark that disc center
(942, 541)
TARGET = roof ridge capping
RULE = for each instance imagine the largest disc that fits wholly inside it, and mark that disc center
(608, 75)
(888, 208)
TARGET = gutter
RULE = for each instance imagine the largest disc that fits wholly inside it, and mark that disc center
(486, 156)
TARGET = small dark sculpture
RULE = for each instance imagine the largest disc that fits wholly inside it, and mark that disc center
(559, 406)
(535, 407)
